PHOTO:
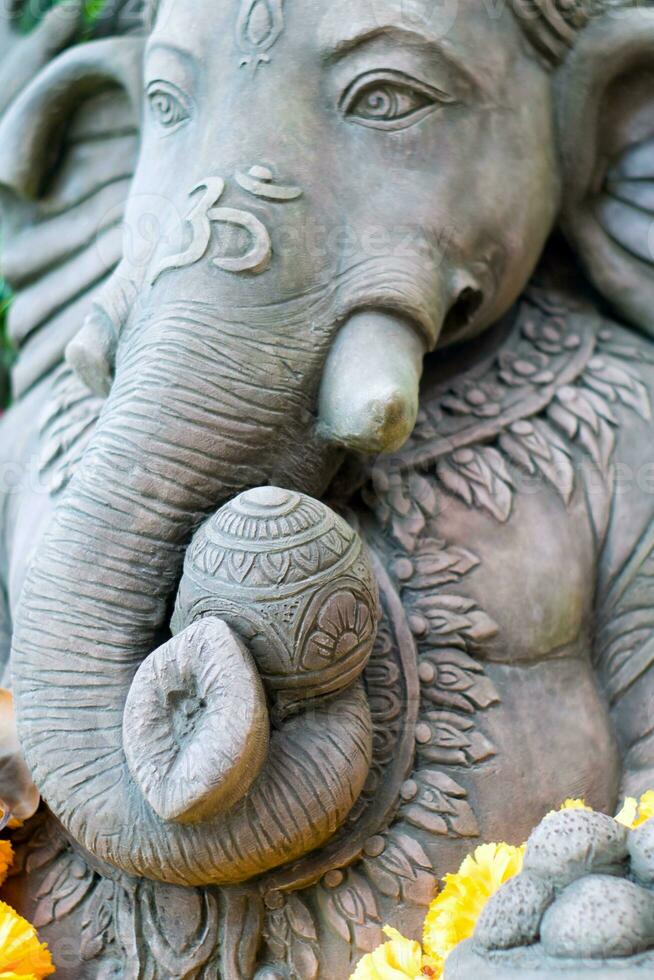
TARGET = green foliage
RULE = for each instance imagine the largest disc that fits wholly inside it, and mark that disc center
(30, 12)
(6, 353)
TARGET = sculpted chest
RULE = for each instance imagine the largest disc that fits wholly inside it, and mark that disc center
(502, 618)
(495, 536)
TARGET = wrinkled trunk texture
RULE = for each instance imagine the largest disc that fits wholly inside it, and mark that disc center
(199, 411)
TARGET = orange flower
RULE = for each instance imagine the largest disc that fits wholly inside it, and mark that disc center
(22, 956)
(635, 812)
(399, 959)
(6, 859)
(453, 914)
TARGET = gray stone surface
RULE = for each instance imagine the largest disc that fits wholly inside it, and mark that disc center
(529, 964)
(641, 853)
(599, 917)
(395, 261)
(604, 922)
(572, 843)
(513, 916)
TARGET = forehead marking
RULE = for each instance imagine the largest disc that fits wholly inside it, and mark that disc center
(259, 26)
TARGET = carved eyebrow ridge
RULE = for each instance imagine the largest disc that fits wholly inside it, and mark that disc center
(169, 48)
(405, 36)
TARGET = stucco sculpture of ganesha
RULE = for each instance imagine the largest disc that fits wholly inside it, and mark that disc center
(328, 512)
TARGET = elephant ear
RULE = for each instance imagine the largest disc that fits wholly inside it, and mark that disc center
(68, 148)
(33, 128)
(605, 108)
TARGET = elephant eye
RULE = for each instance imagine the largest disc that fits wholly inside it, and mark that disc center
(390, 100)
(169, 106)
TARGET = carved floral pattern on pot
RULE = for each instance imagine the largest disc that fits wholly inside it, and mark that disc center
(343, 625)
(291, 577)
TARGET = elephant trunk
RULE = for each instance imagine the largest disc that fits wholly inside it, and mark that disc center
(176, 439)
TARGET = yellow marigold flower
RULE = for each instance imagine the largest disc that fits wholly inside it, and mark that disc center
(6, 859)
(454, 913)
(571, 805)
(635, 812)
(399, 959)
(22, 956)
(646, 807)
(629, 812)
(575, 805)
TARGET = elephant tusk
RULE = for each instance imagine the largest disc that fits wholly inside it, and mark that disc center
(369, 393)
(92, 353)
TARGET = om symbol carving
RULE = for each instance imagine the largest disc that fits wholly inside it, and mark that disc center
(204, 213)
(259, 26)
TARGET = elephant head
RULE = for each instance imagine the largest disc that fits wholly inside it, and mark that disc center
(337, 191)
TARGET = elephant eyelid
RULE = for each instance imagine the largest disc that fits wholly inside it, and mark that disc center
(390, 100)
(169, 106)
